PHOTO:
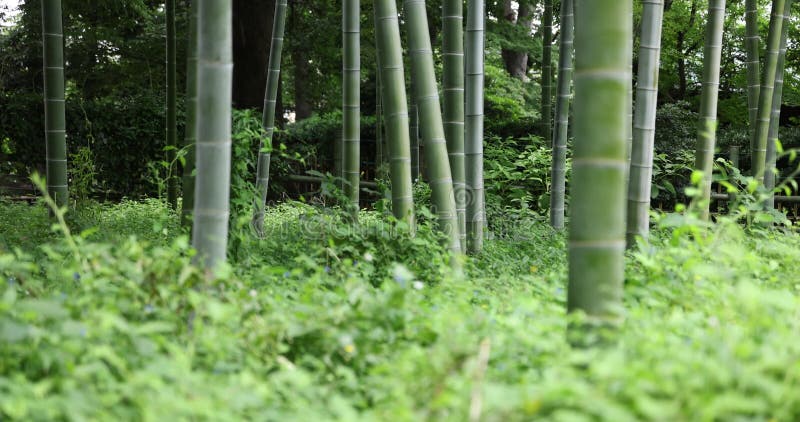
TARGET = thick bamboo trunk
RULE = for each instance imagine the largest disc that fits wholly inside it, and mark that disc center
(706, 136)
(644, 125)
(603, 29)
(774, 123)
(547, 71)
(54, 102)
(751, 41)
(413, 131)
(214, 86)
(172, 94)
(761, 133)
(473, 138)
(395, 106)
(190, 136)
(559, 165)
(351, 100)
(424, 82)
(268, 116)
(453, 88)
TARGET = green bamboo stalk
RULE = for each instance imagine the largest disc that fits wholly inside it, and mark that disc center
(453, 103)
(767, 87)
(706, 136)
(473, 139)
(268, 116)
(413, 111)
(172, 94)
(644, 125)
(54, 102)
(427, 96)
(395, 106)
(379, 154)
(558, 190)
(351, 100)
(214, 79)
(774, 123)
(190, 136)
(751, 41)
(547, 71)
(603, 29)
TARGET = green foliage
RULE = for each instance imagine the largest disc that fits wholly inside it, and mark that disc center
(676, 125)
(124, 134)
(517, 174)
(81, 174)
(510, 104)
(128, 329)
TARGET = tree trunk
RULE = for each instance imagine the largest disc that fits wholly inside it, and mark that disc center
(395, 105)
(54, 102)
(558, 191)
(473, 140)
(767, 87)
(706, 137)
(644, 125)
(268, 116)
(215, 79)
(430, 114)
(252, 21)
(516, 62)
(603, 29)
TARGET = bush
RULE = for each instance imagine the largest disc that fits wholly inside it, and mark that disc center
(676, 125)
(123, 133)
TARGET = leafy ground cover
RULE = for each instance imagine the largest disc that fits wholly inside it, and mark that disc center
(323, 321)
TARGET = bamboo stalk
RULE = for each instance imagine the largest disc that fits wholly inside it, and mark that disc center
(565, 69)
(172, 94)
(351, 100)
(774, 124)
(54, 102)
(706, 136)
(547, 71)
(603, 29)
(644, 125)
(427, 96)
(751, 41)
(190, 137)
(214, 84)
(268, 117)
(395, 105)
(761, 133)
(453, 99)
(473, 139)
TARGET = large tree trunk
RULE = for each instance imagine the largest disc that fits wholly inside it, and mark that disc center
(252, 26)
(516, 62)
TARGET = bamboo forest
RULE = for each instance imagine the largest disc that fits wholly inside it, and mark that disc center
(386, 210)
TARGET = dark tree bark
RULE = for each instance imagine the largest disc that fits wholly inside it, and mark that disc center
(252, 29)
(516, 62)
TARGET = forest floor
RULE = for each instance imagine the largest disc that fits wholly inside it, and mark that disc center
(323, 321)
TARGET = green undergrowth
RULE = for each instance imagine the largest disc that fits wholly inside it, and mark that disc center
(320, 322)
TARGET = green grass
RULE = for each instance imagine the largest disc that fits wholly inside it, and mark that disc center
(317, 322)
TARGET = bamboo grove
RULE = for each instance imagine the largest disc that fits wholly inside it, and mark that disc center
(612, 150)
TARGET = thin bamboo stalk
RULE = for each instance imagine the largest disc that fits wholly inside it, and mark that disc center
(190, 137)
(565, 69)
(547, 71)
(395, 106)
(172, 95)
(453, 103)
(751, 41)
(644, 125)
(707, 128)
(268, 117)
(351, 100)
(54, 102)
(473, 139)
